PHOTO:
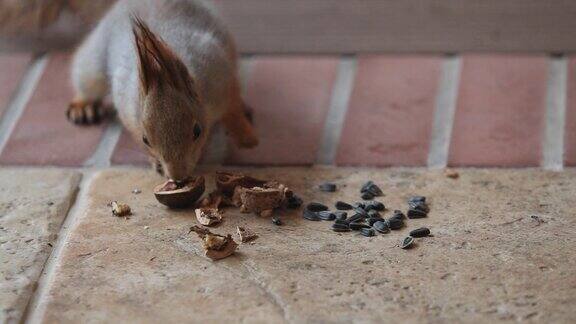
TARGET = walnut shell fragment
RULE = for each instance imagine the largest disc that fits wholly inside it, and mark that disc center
(246, 235)
(119, 209)
(216, 246)
(216, 200)
(257, 200)
(208, 216)
(226, 182)
(175, 196)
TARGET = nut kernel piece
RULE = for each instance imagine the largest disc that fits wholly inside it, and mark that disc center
(245, 234)
(119, 209)
(208, 216)
(216, 246)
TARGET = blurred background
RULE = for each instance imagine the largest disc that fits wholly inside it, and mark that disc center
(328, 26)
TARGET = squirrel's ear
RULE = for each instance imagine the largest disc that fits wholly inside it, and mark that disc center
(158, 65)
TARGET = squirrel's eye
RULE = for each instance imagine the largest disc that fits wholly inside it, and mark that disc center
(145, 140)
(197, 130)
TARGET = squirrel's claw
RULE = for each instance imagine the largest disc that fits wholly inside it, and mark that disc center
(82, 113)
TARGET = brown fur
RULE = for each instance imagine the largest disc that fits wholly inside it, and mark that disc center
(171, 68)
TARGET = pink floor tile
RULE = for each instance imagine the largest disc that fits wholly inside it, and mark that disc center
(570, 139)
(290, 97)
(43, 135)
(500, 114)
(13, 67)
(129, 152)
(391, 111)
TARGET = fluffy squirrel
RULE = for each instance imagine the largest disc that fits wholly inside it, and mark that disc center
(171, 69)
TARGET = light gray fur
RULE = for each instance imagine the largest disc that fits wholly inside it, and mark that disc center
(108, 61)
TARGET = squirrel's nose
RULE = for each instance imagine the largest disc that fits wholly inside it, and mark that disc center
(180, 183)
(177, 173)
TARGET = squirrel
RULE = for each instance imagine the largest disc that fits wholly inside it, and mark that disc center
(171, 69)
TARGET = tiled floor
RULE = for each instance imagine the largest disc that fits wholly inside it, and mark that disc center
(385, 119)
(66, 259)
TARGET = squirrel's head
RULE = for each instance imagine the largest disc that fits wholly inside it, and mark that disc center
(174, 126)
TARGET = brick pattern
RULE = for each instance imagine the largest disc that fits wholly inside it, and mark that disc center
(389, 120)
(13, 67)
(500, 114)
(499, 118)
(128, 152)
(290, 97)
(43, 135)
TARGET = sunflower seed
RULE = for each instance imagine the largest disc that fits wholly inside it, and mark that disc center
(316, 207)
(373, 213)
(420, 232)
(341, 215)
(381, 227)
(276, 221)
(310, 215)
(408, 242)
(372, 188)
(337, 227)
(356, 226)
(327, 187)
(417, 199)
(341, 221)
(395, 223)
(399, 214)
(419, 205)
(367, 196)
(361, 212)
(359, 205)
(340, 205)
(376, 205)
(368, 232)
(414, 213)
(366, 185)
(373, 220)
(326, 215)
(356, 217)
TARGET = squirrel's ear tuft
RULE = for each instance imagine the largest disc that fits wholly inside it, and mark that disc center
(158, 65)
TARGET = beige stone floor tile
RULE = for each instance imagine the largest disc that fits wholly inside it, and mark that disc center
(488, 259)
(33, 205)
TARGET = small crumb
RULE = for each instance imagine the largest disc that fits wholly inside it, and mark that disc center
(146, 227)
(208, 216)
(245, 234)
(119, 209)
(136, 191)
(452, 174)
(216, 246)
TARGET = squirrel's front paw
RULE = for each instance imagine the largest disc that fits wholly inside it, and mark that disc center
(84, 113)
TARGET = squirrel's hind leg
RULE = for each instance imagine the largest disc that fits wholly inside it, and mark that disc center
(89, 80)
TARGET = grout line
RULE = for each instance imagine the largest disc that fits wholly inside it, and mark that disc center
(36, 307)
(218, 146)
(337, 111)
(444, 113)
(103, 154)
(553, 144)
(21, 97)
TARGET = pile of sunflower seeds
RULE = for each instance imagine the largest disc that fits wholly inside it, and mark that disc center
(365, 216)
